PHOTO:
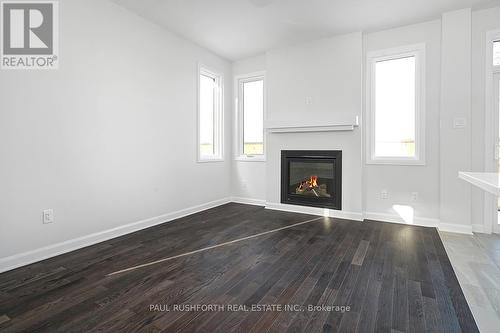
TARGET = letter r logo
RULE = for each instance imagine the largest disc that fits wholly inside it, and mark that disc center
(28, 28)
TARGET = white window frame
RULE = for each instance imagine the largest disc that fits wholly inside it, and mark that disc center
(491, 121)
(238, 88)
(417, 51)
(218, 115)
(495, 37)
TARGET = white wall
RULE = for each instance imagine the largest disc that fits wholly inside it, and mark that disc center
(401, 181)
(298, 72)
(110, 137)
(327, 73)
(483, 21)
(249, 177)
(455, 102)
(301, 71)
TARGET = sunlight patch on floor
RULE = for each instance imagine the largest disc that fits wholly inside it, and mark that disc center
(405, 212)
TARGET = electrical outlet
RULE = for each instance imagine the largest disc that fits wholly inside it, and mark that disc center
(384, 194)
(309, 101)
(459, 122)
(414, 196)
(48, 216)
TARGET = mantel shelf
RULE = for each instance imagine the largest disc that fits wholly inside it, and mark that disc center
(283, 127)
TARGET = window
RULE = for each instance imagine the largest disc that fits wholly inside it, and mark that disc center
(210, 116)
(496, 53)
(251, 106)
(395, 105)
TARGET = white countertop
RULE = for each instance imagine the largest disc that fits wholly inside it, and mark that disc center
(488, 181)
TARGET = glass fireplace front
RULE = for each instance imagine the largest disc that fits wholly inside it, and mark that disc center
(311, 178)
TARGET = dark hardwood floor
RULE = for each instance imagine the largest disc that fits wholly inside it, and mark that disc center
(393, 278)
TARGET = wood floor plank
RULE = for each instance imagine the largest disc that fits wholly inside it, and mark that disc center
(290, 266)
(393, 278)
(359, 256)
(400, 287)
(449, 320)
(302, 282)
(226, 281)
(384, 308)
(464, 316)
(349, 322)
(318, 318)
(4, 319)
(234, 288)
(320, 276)
(416, 321)
(431, 315)
(368, 316)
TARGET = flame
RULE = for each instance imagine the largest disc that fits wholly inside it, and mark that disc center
(313, 181)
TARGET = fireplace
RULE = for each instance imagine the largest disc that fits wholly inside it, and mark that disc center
(312, 178)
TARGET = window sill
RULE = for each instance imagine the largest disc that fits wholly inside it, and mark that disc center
(392, 161)
(209, 160)
(245, 158)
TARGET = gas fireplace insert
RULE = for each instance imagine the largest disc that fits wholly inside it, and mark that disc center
(312, 178)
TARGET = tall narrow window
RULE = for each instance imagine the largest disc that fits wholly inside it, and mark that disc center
(496, 53)
(395, 107)
(210, 116)
(251, 106)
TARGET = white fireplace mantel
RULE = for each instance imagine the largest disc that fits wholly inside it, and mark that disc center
(295, 127)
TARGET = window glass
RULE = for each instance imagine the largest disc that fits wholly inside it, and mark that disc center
(207, 110)
(253, 117)
(395, 105)
(496, 53)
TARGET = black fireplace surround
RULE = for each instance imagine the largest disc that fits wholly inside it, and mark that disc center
(312, 178)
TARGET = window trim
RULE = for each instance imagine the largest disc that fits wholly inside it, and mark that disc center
(239, 81)
(218, 115)
(417, 51)
(495, 39)
(490, 206)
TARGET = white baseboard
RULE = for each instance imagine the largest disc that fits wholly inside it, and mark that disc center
(248, 201)
(478, 228)
(392, 218)
(422, 221)
(456, 228)
(26, 258)
(315, 211)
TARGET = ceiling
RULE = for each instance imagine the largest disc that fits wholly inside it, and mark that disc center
(236, 29)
